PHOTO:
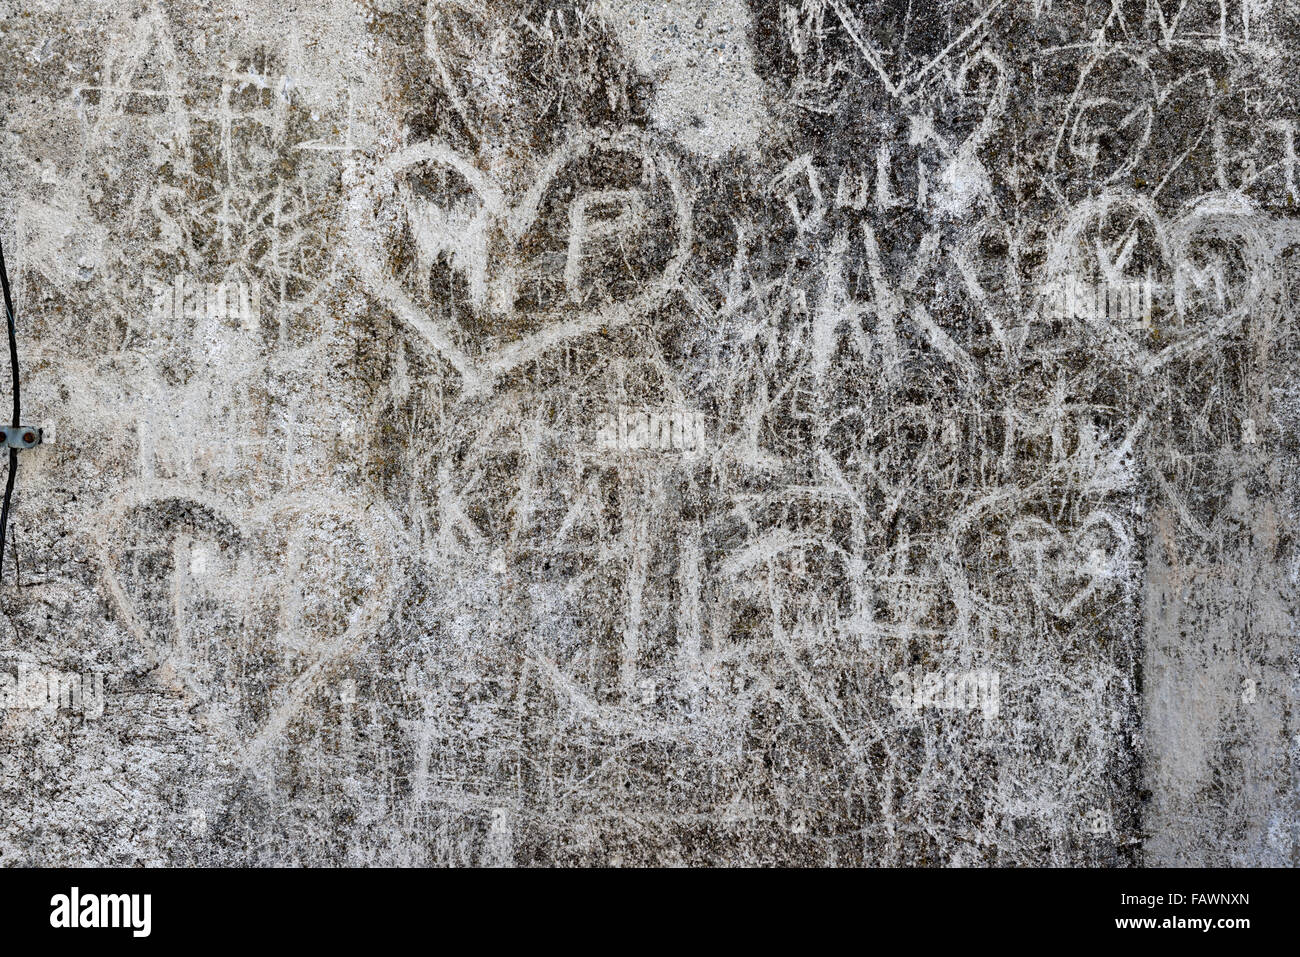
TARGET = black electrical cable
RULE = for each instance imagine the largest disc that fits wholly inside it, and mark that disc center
(13, 366)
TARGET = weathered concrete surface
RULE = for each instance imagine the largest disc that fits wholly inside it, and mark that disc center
(683, 432)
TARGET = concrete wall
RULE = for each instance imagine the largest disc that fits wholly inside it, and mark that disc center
(730, 432)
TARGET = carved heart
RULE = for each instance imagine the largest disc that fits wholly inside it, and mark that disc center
(1206, 271)
(1067, 569)
(265, 598)
(499, 249)
(1095, 119)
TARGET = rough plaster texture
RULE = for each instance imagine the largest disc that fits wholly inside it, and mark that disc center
(737, 432)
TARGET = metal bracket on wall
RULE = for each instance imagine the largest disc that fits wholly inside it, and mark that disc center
(22, 436)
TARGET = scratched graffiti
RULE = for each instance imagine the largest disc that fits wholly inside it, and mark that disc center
(517, 432)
